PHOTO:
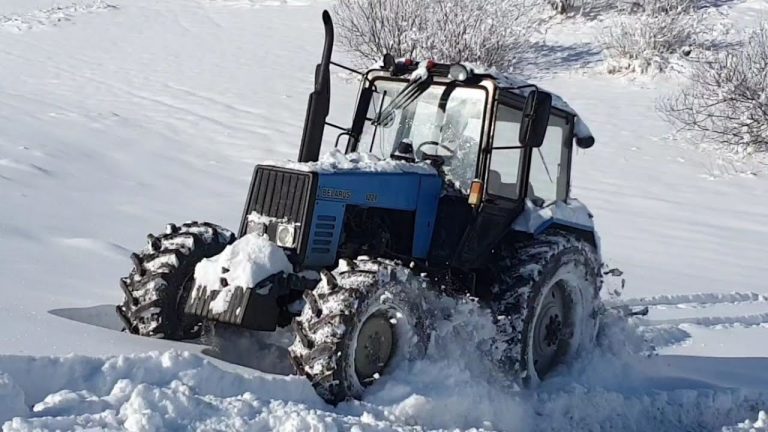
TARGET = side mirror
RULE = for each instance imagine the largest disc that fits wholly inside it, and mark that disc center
(538, 105)
(389, 62)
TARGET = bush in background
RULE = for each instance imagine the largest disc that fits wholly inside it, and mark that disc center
(563, 7)
(583, 7)
(491, 33)
(649, 34)
(726, 99)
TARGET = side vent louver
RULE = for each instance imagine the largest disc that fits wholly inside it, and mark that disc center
(324, 228)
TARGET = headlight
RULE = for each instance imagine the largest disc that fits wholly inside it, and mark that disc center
(258, 228)
(286, 235)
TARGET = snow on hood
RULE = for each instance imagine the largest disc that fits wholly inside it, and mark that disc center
(335, 161)
(249, 260)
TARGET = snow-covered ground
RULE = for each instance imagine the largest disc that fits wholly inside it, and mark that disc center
(118, 117)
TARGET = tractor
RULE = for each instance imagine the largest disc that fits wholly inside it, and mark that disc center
(450, 180)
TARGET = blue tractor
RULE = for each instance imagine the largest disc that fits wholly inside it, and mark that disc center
(452, 181)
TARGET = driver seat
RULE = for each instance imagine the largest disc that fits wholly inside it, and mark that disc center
(509, 190)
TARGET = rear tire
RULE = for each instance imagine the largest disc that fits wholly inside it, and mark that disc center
(162, 277)
(358, 323)
(547, 304)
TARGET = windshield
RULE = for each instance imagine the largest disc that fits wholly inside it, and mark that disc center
(442, 123)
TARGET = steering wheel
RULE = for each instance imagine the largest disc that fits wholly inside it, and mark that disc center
(451, 152)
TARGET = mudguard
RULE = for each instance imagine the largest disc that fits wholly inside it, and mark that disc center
(573, 215)
(255, 308)
(245, 285)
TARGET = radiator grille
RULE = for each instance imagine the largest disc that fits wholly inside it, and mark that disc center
(281, 194)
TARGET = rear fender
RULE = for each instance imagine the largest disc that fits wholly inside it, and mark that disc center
(572, 216)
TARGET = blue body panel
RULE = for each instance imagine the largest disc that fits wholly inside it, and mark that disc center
(569, 214)
(560, 222)
(406, 191)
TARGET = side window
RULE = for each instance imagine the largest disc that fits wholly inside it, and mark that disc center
(545, 163)
(505, 163)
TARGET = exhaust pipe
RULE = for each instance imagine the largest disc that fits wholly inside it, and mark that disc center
(319, 100)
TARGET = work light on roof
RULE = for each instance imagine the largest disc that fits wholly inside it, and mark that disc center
(458, 72)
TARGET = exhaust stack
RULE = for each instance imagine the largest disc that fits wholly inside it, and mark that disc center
(319, 100)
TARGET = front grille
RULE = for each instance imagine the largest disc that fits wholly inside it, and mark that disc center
(281, 194)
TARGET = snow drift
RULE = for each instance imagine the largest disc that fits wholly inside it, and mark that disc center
(612, 388)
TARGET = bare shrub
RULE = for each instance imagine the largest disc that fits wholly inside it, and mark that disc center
(726, 99)
(589, 8)
(491, 33)
(371, 28)
(650, 34)
(563, 6)
(659, 7)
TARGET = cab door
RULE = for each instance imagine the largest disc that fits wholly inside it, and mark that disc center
(516, 174)
(503, 165)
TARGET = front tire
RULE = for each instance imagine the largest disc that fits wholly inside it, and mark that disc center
(547, 304)
(162, 277)
(358, 323)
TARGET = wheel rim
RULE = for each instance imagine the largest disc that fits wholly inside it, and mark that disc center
(551, 337)
(374, 348)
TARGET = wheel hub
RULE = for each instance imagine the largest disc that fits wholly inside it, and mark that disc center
(553, 330)
(549, 332)
(374, 348)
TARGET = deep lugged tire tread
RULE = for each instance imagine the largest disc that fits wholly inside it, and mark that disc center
(320, 361)
(519, 270)
(158, 273)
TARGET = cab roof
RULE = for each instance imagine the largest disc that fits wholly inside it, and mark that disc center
(505, 81)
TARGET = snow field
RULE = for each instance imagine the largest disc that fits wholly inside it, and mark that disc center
(116, 121)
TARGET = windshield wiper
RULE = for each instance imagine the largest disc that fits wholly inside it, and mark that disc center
(405, 97)
(546, 168)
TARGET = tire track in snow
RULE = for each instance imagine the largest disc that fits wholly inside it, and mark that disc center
(698, 299)
(752, 320)
(668, 332)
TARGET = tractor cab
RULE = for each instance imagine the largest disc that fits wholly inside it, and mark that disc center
(471, 126)
(496, 142)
